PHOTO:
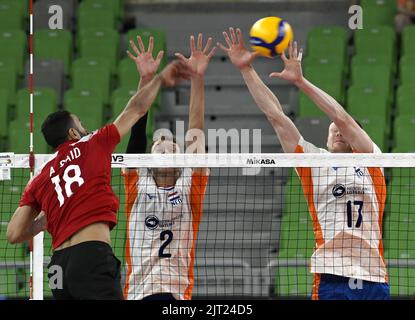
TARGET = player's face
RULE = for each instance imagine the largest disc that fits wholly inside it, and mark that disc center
(165, 147)
(336, 142)
(82, 132)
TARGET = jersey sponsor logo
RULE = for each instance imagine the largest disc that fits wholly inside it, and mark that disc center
(175, 198)
(359, 172)
(339, 191)
(152, 222)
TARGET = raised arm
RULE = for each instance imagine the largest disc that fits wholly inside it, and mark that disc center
(242, 58)
(350, 130)
(196, 66)
(139, 104)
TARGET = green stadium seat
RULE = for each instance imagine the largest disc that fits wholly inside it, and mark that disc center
(407, 70)
(378, 12)
(401, 281)
(14, 282)
(88, 105)
(405, 100)
(371, 59)
(408, 41)
(12, 48)
(114, 5)
(327, 41)
(402, 175)
(372, 75)
(100, 43)
(293, 281)
(127, 74)
(375, 40)
(159, 41)
(404, 129)
(95, 14)
(22, 5)
(400, 238)
(11, 15)
(8, 80)
(4, 112)
(54, 44)
(377, 129)
(368, 101)
(92, 74)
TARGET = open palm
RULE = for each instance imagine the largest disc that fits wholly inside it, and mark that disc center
(292, 65)
(239, 55)
(146, 65)
(199, 59)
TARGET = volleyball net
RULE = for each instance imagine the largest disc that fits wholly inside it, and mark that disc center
(257, 233)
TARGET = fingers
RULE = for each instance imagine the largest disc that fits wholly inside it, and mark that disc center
(150, 45)
(141, 44)
(212, 52)
(233, 36)
(160, 56)
(255, 54)
(131, 55)
(207, 47)
(284, 57)
(290, 50)
(192, 44)
(228, 41)
(239, 35)
(180, 57)
(222, 47)
(200, 42)
(300, 55)
(275, 75)
(134, 47)
(295, 51)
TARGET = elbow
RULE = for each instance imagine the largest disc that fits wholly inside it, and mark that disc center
(12, 235)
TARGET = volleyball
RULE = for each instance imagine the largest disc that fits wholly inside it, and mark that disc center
(270, 36)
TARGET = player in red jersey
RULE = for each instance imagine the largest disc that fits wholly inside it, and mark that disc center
(72, 198)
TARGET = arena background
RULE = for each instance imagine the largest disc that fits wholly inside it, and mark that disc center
(256, 236)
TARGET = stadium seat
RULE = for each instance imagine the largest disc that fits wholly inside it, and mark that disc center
(159, 41)
(404, 128)
(11, 15)
(92, 74)
(8, 79)
(377, 129)
(54, 44)
(327, 41)
(400, 238)
(41, 15)
(115, 5)
(370, 59)
(405, 100)
(14, 283)
(293, 281)
(127, 73)
(364, 101)
(88, 105)
(95, 14)
(378, 12)
(375, 40)
(4, 112)
(402, 281)
(408, 41)
(407, 70)
(49, 74)
(100, 43)
(372, 75)
(12, 47)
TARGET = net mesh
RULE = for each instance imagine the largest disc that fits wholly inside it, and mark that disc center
(255, 237)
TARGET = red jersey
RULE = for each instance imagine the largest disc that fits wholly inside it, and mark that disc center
(74, 188)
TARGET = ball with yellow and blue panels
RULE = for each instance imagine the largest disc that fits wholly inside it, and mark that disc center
(270, 36)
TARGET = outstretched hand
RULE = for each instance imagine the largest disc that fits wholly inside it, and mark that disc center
(199, 59)
(174, 73)
(146, 65)
(292, 65)
(240, 56)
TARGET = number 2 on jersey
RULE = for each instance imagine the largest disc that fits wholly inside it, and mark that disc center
(166, 242)
(350, 213)
(69, 180)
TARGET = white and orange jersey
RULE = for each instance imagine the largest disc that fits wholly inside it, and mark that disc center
(162, 225)
(346, 207)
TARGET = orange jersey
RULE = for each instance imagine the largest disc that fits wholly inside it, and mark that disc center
(407, 4)
(162, 226)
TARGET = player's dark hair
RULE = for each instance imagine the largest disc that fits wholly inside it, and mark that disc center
(56, 126)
